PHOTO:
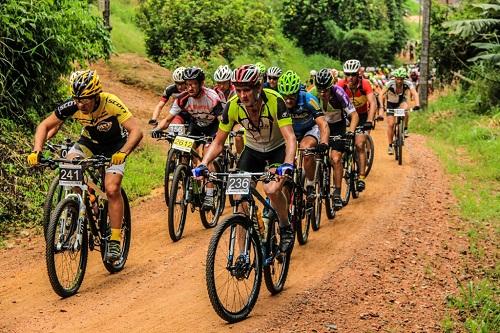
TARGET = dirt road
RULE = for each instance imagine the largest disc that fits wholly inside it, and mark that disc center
(162, 288)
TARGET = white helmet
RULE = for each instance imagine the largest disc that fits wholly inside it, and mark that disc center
(223, 73)
(274, 71)
(177, 75)
(313, 72)
(351, 66)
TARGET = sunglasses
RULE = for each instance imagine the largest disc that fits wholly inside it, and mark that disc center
(351, 74)
(274, 78)
(83, 101)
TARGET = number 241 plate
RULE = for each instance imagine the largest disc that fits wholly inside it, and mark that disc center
(238, 183)
(183, 144)
(399, 112)
(70, 175)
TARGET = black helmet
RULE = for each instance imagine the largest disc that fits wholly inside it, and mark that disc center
(193, 73)
(324, 79)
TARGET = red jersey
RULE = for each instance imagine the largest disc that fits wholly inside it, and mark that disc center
(358, 96)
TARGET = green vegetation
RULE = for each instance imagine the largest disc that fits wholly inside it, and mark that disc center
(412, 7)
(467, 144)
(125, 34)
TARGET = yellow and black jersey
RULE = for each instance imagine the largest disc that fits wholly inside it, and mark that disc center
(103, 126)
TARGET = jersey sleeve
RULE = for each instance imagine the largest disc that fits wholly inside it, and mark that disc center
(169, 90)
(175, 109)
(367, 87)
(282, 114)
(227, 121)
(345, 101)
(66, 110)
(117, 108)
(313, 106)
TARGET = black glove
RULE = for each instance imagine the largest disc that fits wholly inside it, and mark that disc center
(349, 135)
(156, 134)
(368, 125)
(416, 108)
(153, 122)
(322, 147)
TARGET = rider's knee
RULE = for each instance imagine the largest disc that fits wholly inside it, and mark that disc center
(113, 190)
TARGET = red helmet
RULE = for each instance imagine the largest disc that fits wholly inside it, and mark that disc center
(247, 75)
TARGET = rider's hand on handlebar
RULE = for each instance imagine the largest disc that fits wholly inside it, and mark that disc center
(200, 171)
(34, 158)
(368, 125)
(285, 169)
(416, 108)
(118, 158)
(156, 133)
(349, 134)
(322, 147)
(153, 122)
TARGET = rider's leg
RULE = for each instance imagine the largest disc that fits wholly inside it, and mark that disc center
(390, 128)
(112, 183)
(309, 161)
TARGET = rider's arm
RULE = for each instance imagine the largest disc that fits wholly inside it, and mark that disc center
(381, 97)
(324, 129)
(215, 147)
(290, 143)
(49, 125)
(134, 135)
(415, 95)
(354, 120)
(158, 108)
(174, 110)
(373, 107)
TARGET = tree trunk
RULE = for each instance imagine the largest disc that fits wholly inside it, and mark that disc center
(424, 55)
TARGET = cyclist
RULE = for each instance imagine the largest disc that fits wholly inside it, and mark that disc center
(337, 108)
(109, 129)
(203, 106)
(262, 71)
(361, 93)
(398, 91)
(273, 74)
(309, 124)
(269, 138)
(173, 90)
(223, 86)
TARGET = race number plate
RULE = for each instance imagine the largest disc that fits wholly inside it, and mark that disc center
(70, 175)
(183, 144)
(238, 183)
(178, 129)
(399, 112)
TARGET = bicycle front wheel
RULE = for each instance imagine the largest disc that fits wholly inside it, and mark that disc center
(400, 141)
(328, 188)
(234, 268)
(54, 195)
(209, 218)
(370, 154)
(276, 263)
(347, 178)
(177, 205)
(66, 252)
(318, 199)
(171, 162)
(300, 217)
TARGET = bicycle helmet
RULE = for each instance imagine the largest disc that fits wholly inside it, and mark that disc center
(246, 75)
(274, 71)
(223, 73)
(177, 75)
(324, 79)
(85, 84)
(313, 72)
(399, 73)
(193, 73)
(351, 66)
(289, 83)
(261, 67)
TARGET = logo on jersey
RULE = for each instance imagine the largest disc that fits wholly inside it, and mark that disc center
(104, 126)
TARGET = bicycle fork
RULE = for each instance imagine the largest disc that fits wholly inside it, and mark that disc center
(79, 226)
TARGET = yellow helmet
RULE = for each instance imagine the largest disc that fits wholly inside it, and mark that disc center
(85, 84)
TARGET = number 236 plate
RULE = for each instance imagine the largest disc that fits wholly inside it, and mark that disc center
(70, 175)
(239, 183)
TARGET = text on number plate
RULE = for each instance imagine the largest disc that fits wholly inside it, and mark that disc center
(399, 112)
(183, 144)
(178, 129)
(70, 175)
(238, 183)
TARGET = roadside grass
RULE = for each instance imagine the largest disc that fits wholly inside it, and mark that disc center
(125, 34)
(413, 7)
(467, 144)
(413, 30)
(144, 171)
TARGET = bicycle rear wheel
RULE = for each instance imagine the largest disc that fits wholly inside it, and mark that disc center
(177, 205)
(234, 268)
(276, 263)
(126, 233)
(209, 218)
(66, 259)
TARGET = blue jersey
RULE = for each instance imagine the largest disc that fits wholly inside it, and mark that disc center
(304, 113)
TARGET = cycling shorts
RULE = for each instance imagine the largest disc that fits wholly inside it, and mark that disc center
(256, 161)
(314, 132)
(210, 130)
(339, 128)
(83, 150)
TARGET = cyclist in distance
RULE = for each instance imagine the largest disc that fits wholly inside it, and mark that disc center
(337, 108)
(203, 106)
(399, 92)
(273, 74)
(172, 90)
(109, 129)
(309, 124)
(269, 138)
(360, 92)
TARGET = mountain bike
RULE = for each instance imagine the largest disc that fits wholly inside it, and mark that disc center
(187, 191)
(244, 247)
(322, 180)
(55, 192)
(80, 222)
(398, 137)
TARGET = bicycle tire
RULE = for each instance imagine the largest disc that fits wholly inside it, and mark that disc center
(370, 154)
(329, 185)
(62, 289)
(279, 263)
(354, 176)
(346, 178)
(233, 315)
(180, 180)
(318, 200)
(301, 222)
(401, 142)
(49, 205)
(219, 203)
(170, 166)
(117, 266)
(395, 142)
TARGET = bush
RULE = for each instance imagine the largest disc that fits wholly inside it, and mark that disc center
(39, 41)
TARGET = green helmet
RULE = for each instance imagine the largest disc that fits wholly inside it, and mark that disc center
(261, 67)
(289, 83)
(400, 73)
